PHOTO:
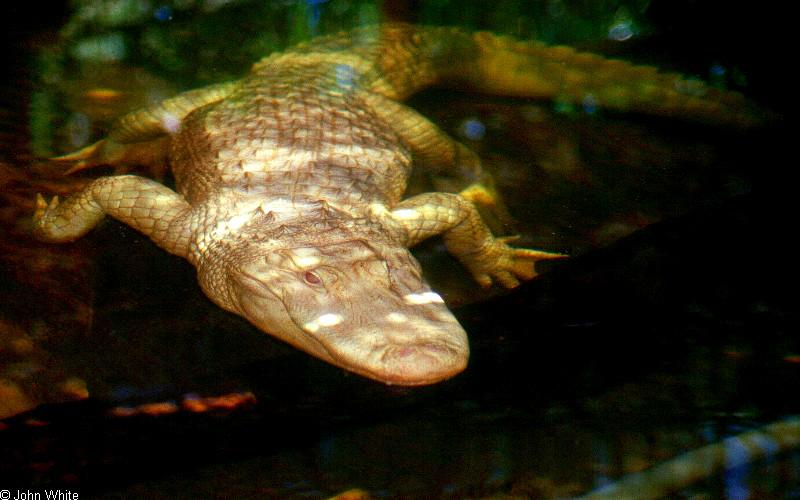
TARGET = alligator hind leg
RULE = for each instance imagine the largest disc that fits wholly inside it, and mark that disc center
(141, 137)
(151, 154)
(437, 152)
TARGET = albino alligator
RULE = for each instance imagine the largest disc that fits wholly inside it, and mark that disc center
(290, 184)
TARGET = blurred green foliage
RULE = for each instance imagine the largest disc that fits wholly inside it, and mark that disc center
(199, 41)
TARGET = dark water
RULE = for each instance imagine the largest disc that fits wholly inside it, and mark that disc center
(674, 325)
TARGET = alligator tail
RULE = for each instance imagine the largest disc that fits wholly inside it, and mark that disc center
(410, 58)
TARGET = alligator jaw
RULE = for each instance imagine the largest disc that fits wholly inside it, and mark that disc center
(406, 350)
(411, 364)
(421, 364)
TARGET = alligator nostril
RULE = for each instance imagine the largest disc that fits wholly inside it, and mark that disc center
(403, 352)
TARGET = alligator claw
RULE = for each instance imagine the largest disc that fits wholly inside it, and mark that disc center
(42, 207)
(508, 265)
(88, 157)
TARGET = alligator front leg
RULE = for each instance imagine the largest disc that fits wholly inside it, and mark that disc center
(467, 238)
(145, 205)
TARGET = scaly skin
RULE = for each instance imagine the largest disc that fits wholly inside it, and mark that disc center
(290, 184)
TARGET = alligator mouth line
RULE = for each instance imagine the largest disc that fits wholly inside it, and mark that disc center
(408, 364)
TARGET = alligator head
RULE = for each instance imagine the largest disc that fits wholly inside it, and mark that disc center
(356, 303)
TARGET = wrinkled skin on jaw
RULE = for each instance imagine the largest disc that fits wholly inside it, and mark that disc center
(367, 312)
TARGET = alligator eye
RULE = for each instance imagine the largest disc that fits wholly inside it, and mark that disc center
(311, 278)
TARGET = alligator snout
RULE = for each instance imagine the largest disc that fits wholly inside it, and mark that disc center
(420, 364)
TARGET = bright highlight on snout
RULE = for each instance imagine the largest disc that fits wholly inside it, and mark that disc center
(327, 319)
(423, 298)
